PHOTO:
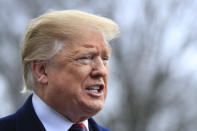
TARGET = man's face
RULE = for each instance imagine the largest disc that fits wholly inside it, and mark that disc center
(77, 80)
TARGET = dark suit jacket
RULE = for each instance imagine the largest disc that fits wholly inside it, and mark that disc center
(25, 119)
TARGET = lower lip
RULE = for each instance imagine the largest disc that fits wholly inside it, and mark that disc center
(98, 94)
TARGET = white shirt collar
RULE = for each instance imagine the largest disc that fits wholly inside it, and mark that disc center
(51, 120)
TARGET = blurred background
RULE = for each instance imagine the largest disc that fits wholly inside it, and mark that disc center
(153, 76)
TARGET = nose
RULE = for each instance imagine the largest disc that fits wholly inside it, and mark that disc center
(99, 69)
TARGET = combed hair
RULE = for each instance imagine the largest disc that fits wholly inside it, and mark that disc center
(44, 35)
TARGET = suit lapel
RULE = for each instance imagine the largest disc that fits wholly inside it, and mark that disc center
(93, 126)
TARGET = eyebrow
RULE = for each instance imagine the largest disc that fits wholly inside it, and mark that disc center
(88, 46)
(90, 49)
(108, 49)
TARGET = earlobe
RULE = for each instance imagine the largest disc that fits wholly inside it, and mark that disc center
(39, 71)
(42, 79)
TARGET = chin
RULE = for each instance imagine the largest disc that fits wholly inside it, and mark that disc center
(86, 110)
(93, 108)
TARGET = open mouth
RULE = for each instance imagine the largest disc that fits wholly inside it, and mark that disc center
(96, 90)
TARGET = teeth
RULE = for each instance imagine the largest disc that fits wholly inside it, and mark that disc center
(95, 88)
(94, 91)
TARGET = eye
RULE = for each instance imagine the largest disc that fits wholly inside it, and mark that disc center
(85, 59)
(105, 60)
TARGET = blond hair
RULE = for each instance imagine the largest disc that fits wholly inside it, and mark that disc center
(44, 35)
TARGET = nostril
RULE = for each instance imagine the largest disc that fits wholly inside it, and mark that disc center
(95, 74)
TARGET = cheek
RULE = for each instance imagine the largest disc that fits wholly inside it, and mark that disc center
(79, 72)
(73, 76)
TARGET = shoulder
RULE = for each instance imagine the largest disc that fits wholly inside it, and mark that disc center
(8, 123)
(25, 119)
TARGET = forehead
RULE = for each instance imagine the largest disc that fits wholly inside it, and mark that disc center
(89, 41)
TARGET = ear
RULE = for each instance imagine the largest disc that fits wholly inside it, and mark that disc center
(39, 71)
